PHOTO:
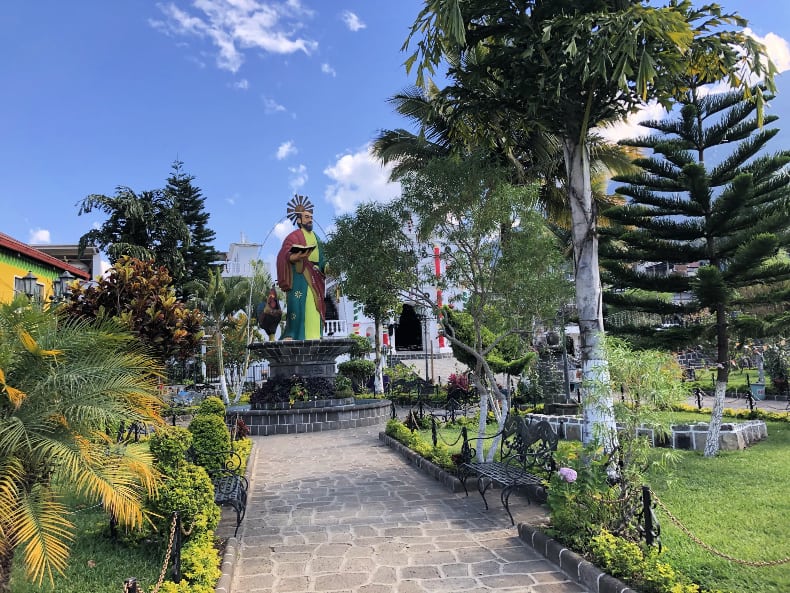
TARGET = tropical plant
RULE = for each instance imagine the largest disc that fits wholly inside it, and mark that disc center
(371, 244)
(565, 67)
(504, 263)
(148, 226)
(139, 295)
(62, 383)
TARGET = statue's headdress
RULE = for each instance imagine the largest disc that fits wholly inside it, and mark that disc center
(297, 205)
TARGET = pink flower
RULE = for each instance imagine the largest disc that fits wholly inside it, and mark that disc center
(567, 474)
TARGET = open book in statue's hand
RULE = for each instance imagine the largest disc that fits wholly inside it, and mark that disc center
(301, 248)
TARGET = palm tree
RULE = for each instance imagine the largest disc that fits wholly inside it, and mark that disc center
(219, 299)
(62, 383)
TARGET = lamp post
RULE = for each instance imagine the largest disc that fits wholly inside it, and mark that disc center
(60, 285)
(29, 284)
(422, 315)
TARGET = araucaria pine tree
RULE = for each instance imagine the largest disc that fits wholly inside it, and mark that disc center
(706, 194)
(198, 253)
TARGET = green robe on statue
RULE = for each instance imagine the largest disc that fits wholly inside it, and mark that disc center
(304, 286)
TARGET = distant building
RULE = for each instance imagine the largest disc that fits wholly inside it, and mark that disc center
(240, 257)
(29, 270)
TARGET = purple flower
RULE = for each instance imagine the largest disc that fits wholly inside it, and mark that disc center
(567, 474)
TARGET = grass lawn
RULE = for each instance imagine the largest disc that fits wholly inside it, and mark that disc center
(97, 564)
(738, 503)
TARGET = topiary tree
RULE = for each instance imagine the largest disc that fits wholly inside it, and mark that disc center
(169, 446)
(209, 437)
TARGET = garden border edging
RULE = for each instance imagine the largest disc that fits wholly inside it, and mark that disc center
(585, 573)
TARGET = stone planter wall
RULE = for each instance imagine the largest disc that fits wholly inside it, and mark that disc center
(732, 436)
(315, 416)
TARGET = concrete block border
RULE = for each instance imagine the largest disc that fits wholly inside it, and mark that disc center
(574, 565)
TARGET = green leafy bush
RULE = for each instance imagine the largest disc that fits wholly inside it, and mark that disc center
(212, 405)
(169, 446)
(358, 370)
(188, 491)
(200, 562)
(343, 387)
(440, 454)
(209, 435)
(638, 565)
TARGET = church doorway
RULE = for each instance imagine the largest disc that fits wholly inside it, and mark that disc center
(409, 333)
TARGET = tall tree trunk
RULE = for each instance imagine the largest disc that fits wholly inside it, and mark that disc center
(598, 408)
(223, 382)
(378, 377)
(722, 374)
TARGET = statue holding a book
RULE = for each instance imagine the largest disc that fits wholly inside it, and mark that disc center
(300, 274)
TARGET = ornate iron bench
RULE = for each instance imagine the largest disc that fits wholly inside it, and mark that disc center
(230, 488)
(525, 461)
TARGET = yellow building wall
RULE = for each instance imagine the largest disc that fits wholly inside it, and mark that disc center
(13, 266)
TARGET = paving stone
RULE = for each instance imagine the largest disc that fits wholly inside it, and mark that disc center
(419, 572)
(345, 580)
(364, 521)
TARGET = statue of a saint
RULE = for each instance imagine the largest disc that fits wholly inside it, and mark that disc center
(300, 274)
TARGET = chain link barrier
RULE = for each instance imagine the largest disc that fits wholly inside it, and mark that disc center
(709, 548)
(132, 586)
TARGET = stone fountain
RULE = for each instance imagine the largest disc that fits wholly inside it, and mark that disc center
(274, 409)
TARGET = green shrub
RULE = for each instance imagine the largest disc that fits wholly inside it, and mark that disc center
(189, 492)
(343, 387)
(169, 445)
(209, 435)
(200, 561)
(638, 565)
(212, 405)
(440, 454)
(359, 371)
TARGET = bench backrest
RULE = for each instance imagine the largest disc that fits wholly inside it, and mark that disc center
(529, 445)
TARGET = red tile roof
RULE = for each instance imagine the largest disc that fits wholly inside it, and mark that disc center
(12, 244)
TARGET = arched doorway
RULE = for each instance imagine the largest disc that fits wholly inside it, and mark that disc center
(409, 333)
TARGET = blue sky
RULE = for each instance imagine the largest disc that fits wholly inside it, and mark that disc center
(259, 99)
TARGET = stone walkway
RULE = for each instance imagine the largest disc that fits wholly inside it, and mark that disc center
(340, 512)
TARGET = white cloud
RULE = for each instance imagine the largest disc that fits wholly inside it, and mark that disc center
(234, 26)
(286, 149)
(39, 237)
(352, 21)
(358, 177)
(776, 47)
(231, 201)
(242, 84)
(272, 106)
(327, 69)
(630, 128)
(282, 228)
(298, 176)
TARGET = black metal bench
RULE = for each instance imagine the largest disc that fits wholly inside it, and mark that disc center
(230, 487)
(525, 461)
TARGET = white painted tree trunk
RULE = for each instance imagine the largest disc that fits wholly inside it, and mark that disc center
(712, 439)
(378, 377)
(223, 383)
(598, 409)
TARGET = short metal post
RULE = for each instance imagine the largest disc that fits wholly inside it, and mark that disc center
(648, 515)
(130, 585)
(698, 393)
(433, 430)
(176, 553)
